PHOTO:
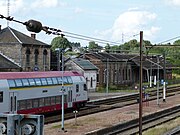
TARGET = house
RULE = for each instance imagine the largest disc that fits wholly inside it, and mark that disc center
(30, 54)
(86, 68)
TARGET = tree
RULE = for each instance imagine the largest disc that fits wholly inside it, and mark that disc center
(92, 45)
(177, 42)
(60, 42)
(107, 47)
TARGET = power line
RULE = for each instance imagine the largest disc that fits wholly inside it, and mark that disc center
(169, 40)
(98, 39)
(35, 26)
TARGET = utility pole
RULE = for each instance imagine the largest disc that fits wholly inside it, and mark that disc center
(107, 76)
(8, 9)
(158, 80)
(140, 84)
(150, 85)
(62, 125)
(164, 73)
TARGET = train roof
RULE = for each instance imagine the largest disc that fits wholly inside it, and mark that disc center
(16, 75)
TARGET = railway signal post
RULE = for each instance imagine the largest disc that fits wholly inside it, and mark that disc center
(60, 53)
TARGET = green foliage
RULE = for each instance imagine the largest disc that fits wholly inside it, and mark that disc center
(92, 45)
(60, 42)
(177, 42)
(76, 44)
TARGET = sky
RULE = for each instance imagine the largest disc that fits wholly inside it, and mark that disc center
(117, 21)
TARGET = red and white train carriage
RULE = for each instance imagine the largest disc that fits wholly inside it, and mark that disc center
(40, 92)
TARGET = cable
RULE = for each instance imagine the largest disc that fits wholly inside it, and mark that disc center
(36, 26)
(169, 39)
(90, 37)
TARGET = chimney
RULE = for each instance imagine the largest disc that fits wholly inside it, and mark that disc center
(33, 35)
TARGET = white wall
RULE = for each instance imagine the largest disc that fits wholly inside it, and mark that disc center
(91, 74)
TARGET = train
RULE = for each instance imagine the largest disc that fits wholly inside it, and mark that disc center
(41, 92)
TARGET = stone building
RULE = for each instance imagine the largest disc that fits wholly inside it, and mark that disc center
(29, 53)
(7, 64)
(123, 69)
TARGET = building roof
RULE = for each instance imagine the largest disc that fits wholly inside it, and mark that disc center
(84, 64)
(7, 63)
(148, 61)
(9, 35)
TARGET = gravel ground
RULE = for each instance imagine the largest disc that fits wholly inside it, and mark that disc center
(108, 118)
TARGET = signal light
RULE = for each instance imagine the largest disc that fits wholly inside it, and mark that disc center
(34, 26)
(21, 124)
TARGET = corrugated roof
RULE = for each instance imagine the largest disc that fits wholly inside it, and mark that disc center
(10, 35)
(148, 62)
(85, 64)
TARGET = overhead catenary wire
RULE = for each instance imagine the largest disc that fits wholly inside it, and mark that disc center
(79, 35)
(55, 31)
(168, 40)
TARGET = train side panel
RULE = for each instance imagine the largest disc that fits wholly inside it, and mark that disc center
(17, 97)
(4, 96)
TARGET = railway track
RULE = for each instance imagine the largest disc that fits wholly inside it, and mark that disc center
(100, 105)
(149, 121)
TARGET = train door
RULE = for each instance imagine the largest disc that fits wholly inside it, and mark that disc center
(69, 97)
(13, 102)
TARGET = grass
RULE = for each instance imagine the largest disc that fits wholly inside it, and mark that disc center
(161, 129)
(79, 123)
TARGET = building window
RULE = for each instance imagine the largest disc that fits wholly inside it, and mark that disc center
(28, 57)
(123, 76)
(129, 74)
(36, 53)
(97, 77)
(91, 82)
(45, 57)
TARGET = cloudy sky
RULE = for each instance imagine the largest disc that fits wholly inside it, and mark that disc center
(112, 20)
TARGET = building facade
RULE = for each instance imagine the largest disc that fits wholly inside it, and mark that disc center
(86, 68)
(29, 53)
(123, 69)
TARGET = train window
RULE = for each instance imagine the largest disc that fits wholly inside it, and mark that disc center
(65, 81)
(77, 87)
(54, 80)
(18, 82)
(25, 82)
(58, 100)
(29, 104)
(69, 79)
(31, 82)
(38, 81)
(11, 83)
(41, 102)
(49, 81)
(59, 80)
(21, 104)
(35, 103)
(65, 98)
(1, 97)
(47, 101)
(53, 100)
(85, 87)
(43, 80)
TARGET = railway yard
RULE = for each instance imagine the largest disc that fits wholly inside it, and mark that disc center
(118, 117)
